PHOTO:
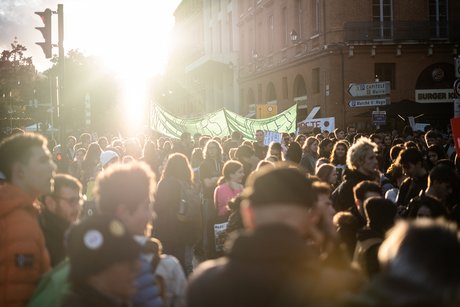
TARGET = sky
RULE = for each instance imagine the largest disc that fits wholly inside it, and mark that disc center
(129, 36)
(132, 38)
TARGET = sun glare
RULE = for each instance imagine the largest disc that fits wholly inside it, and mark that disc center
(131, 40)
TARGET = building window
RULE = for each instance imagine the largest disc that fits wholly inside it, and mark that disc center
(210, 40)
(230, 31)
(315, 80)
(438, 18)
(315, 15)
(285, 88)
(284, 25)
(220, 36)
(244, 51)
(386, 72)
(271, 30)
(251, 46)
(298, 14)
(260, 30)
(382, 17)
(259, 93)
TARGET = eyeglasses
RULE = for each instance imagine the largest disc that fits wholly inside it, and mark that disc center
(74, 201)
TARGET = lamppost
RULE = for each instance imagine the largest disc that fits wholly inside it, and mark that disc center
(10, 111)
(4, 103)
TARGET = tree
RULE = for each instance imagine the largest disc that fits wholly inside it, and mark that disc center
(17, 78)
(85, 76)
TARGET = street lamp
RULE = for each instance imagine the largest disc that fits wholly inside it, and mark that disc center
(294, 36)
(296, 40)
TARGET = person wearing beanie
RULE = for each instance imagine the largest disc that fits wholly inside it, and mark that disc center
(104, 262)
(108, 157)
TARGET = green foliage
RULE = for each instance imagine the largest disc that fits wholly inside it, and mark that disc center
(17, 74)
(85, 76)
(17, 78)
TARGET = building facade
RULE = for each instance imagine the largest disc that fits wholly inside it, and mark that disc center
(259, 57)
(309, 51)
(204, 70)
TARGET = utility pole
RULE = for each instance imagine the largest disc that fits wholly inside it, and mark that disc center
(47, 49)
(61, 96)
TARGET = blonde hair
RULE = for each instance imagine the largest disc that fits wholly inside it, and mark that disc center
(358, 151)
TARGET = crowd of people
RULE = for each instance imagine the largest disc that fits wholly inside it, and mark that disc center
(342, 218)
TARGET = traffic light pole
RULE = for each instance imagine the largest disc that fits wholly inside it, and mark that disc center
(47, 47)
(61, 105)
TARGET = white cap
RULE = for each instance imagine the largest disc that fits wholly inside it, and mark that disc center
(107, 156)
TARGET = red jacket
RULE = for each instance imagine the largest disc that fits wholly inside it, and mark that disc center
(23, 254)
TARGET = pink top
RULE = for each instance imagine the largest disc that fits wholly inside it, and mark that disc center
(222, 194)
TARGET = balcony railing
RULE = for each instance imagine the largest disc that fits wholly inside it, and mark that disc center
(401, 31)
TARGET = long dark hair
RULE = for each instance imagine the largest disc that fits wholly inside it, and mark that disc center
(336, 160)
(178, 167)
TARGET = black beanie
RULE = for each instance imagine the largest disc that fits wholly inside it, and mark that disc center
(95, 244)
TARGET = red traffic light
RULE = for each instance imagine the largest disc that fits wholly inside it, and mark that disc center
(46, 32)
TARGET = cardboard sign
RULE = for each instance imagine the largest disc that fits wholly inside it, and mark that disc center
(455, 123)
(271, 136)
(326, 123)
(220, 235)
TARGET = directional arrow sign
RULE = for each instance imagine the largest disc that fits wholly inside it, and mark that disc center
(369, 102)
(369, 89)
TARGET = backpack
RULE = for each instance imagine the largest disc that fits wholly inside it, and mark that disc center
(189, 209)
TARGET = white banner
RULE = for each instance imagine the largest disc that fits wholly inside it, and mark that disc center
(325, 123)
(271, 136)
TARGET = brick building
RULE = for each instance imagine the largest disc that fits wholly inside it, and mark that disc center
(257, 57)
(309, 51)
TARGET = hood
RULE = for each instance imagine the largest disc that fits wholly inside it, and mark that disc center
(12, 198)
(357, 176)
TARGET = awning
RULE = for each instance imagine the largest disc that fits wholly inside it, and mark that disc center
(407, 108)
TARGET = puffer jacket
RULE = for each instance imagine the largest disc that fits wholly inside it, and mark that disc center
(23, 254)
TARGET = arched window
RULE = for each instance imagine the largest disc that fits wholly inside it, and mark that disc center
(271, 93)
(300, 91)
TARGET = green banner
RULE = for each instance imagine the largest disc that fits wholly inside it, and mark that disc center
(221, 123)
(283, 122)
(213, 124)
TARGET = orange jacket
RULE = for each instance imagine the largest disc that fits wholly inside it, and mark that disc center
(23, 254)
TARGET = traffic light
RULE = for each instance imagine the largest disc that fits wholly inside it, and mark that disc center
(47, 45)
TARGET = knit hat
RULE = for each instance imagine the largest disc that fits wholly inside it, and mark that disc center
(107, 156)
(280, 185)
(96, 243)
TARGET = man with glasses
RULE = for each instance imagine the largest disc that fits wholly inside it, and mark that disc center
(60, 210)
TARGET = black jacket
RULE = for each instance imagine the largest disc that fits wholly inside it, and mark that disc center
(392, 291)
(263, 268)
(342, 197)
(54, 228)
(173, 234)
(86, 296)
(410, 188)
